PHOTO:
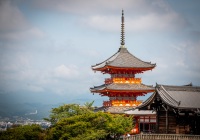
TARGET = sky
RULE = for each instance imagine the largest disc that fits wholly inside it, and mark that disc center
(47, 47)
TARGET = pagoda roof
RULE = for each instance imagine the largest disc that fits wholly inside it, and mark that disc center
(123, 87)
(124, 59)
(180, 97)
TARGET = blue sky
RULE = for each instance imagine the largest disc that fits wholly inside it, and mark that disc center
(47, 47)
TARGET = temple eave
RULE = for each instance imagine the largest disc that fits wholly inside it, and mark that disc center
(107, 91)
(111, 69)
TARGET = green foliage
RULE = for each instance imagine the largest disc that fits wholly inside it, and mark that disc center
(27, 132)
(120, 125)
(88, 126)
(68, 110)
(88, 105)
(74, 122)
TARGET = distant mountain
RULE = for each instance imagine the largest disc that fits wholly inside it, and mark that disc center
(21, 104)
(26, 110)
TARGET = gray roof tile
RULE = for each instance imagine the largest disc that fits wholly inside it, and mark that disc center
(121, 86)
(180, 97)
(124, 59)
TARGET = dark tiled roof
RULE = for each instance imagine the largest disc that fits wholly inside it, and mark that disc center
(121, 86)
(180, 97)
(124, 59)
(148, 101)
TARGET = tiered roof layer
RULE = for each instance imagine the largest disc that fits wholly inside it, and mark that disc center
(123, 87)
(123, 60)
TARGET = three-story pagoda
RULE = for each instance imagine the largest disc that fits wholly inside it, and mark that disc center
(122, 87)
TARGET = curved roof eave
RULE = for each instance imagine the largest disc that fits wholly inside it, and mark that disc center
(148, 101)
(102, 64)
(123, 87)
(124, 59)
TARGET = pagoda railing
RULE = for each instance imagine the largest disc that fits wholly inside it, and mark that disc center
(122, 103)
(161, 137)
(107, 103)
(123, 80)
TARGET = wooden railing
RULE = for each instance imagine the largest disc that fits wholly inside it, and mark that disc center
(123, 80)
(162, 137)
(122, 103)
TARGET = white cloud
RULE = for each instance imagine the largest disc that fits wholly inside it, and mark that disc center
(140, 15)
(14, 25)
(64, 71)
(178, 63)
(28, 34)
(86, 7)
(154, 21)
(16, 63)
(108, 23)
(34, 88)
(11, 18)
(90, 7)
(146, 22)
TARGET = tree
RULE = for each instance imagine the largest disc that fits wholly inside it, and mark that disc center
(76, 122)
(27, 132)
(88, 126)
(120, 124)
(65, 111)
(89, 105)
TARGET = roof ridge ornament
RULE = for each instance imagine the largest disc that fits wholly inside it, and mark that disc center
(122, 31)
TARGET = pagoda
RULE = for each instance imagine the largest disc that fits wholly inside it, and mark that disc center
(122, 87)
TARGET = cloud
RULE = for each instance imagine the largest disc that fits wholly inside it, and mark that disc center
(140, 15)
(85, 7)
(148, 22)
(105, 23)
(63, 71)
(177, 63)
(34, 88)
(14, 25)
(28, 34)
(90, 7)
(11, 18)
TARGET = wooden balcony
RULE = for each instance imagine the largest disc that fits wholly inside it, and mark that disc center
(122, 103)
(123, 80)
(107, 103)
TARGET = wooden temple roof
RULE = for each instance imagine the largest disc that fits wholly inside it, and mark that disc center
(123, 87)
(180, 97)
(124, 59)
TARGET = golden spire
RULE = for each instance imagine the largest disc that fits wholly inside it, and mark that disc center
(122, 31)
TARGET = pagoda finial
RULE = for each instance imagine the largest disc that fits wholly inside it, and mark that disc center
(122, 31)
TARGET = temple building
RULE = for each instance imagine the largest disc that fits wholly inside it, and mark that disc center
(177, 109)
(122, 87)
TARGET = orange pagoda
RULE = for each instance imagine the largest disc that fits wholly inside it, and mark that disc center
(122, 87)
